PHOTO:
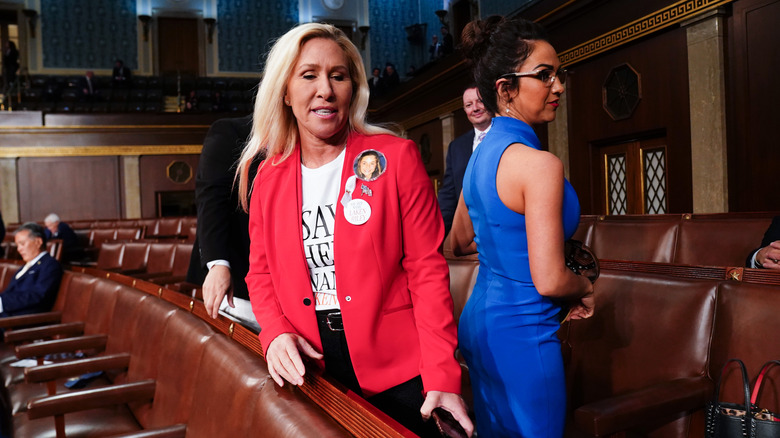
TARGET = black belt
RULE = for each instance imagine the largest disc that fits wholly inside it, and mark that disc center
(330, 319)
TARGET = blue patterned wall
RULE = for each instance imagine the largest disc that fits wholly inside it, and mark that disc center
(389, 19)
(246, 28)
(88, 33)
(93, 33)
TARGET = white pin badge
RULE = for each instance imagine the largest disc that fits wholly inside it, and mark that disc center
(357, 212)
(349, 187)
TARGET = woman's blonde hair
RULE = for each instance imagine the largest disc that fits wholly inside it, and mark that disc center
(274, 128)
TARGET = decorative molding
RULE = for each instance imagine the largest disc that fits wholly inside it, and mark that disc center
(673, 14)
(91, 151)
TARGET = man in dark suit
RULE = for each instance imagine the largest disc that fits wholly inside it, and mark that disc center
(435, 48)
(375, 85)
(768, 255)
(34, 287)
(459, 152)
(120, 76)
(88, 87)
(221, 260)
(447, 43)
(56, 229)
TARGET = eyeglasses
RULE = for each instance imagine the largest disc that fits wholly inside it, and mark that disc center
(547, 76)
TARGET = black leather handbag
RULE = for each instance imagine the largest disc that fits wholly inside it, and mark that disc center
(580, 259)
(733, 420)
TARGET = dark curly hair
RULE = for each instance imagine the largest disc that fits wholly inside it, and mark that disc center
(496, 46)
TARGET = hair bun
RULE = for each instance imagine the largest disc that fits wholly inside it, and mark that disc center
(475, 38)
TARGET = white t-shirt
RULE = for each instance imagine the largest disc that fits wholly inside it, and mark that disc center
(320, 189)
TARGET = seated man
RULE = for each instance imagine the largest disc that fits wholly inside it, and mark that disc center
(34, 287)
(768, 255)
(71, 250)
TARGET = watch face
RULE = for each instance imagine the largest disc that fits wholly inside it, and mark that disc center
(333, 4)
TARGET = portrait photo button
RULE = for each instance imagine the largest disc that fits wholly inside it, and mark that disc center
(348, 298)
(307, 301)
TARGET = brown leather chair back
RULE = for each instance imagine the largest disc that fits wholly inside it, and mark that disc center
(101, 307)
(110, 256)
(160, 258)
(719, 242)
(183, 343)
(74, 296)
(98, 236)
(153, 317)
(181, 258)
(637, 239)
(168, 226)
(746, 328)
(128, 304)
(135, 255)
(647, 329)
(131, 233)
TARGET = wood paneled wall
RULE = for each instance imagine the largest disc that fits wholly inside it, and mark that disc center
(754, 118)
(154, 179)
(663, 111)
(72, 187)
(76, 165)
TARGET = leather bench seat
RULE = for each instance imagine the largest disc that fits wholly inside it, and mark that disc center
(644, 239)
(718, 239)
(200, 377)
(72, 304)
(163, 263)
(97, 320)
(745, 327)
(646, 363)
(642, 360)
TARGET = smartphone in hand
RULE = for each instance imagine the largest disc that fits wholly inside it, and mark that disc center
(447, 424)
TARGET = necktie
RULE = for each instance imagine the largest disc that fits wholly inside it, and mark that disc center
(481, 137)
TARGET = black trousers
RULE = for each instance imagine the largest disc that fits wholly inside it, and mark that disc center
(401, 402)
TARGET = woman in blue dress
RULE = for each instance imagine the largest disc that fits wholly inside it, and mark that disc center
(516, 210)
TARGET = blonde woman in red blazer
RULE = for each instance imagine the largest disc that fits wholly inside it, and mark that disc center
(393, 338)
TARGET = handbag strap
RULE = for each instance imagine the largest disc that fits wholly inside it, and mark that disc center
(745, 384)
(760, 379)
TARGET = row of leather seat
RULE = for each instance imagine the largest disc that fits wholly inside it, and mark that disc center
(723, 239)
(9, 251)
(166, 373)
(175, 226)
(645, 364)
(162, 263)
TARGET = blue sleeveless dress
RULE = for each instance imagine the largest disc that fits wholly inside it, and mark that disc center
(507, 332)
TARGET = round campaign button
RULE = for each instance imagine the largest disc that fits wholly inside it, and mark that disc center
(357, 212)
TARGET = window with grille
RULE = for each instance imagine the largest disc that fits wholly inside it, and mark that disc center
(634, 177)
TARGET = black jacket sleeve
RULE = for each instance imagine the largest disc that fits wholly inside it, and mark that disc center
(772, 234)
(214, 194)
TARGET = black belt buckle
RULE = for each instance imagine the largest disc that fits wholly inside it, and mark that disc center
(335, 324)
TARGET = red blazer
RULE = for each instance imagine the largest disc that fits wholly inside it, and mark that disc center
(393, 282)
